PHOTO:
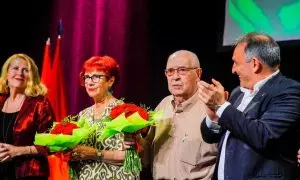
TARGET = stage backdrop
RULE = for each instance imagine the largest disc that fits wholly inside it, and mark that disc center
(103, 27)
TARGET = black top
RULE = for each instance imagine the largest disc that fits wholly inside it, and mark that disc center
(7, 121)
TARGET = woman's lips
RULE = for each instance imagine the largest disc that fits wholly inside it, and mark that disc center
(91, 89)
(19, 79)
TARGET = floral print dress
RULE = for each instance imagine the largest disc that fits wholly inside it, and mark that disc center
(94, 169)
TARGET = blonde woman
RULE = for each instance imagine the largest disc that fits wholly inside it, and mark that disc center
(25, 111)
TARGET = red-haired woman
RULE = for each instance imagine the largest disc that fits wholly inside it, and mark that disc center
(101, 160)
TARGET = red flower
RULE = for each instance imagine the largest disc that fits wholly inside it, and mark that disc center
(68, 128)
(129, 109)
(64, 128)
(116, 111)
(57, 129)
(143, 113)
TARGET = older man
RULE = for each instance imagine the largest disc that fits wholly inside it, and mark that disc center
(257, 127)
(178, 150)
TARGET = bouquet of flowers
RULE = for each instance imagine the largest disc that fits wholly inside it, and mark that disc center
(62, 137)
(133, 119)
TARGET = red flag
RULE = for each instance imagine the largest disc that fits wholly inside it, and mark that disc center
(46, 76)
(59, 101)
(46, 69)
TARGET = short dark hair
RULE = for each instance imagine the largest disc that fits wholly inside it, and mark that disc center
(262, 46)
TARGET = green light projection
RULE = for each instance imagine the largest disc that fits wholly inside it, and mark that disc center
(280, 18)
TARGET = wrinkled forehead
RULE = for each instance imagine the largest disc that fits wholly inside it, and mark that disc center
(175, 61)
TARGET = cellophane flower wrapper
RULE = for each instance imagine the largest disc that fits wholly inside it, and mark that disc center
(59, 144)
(62, 142)
(130, 124)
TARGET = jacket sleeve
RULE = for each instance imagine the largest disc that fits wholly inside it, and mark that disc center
(210, 135)
(45, 120)
(266, 131)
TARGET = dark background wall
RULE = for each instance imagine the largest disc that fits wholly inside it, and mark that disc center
(25, 26)
(173, 25)
(189, 25)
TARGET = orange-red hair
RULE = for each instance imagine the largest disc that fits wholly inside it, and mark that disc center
(101, 63)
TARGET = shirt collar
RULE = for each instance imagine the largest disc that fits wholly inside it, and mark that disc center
(259, 84)
(184, 105)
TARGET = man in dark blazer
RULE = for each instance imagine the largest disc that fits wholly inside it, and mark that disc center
(257, 127)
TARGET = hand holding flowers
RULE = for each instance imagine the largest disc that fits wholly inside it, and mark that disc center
(62, 137)
(131, 120)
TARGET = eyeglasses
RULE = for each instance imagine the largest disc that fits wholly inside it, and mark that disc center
(95, 78)
(180, 70)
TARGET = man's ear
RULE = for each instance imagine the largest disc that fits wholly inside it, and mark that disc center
(199, 72)
(257, 65)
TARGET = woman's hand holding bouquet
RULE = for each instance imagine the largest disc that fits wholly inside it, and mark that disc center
(63, 137)
(131, 120)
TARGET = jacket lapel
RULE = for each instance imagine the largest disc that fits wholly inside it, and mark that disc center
(236, 103)
(3, 98)
(24, 107)
(262, 93)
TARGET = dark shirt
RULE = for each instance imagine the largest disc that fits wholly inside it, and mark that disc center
(7, 121)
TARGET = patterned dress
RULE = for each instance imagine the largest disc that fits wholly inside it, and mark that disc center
(93, 169)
